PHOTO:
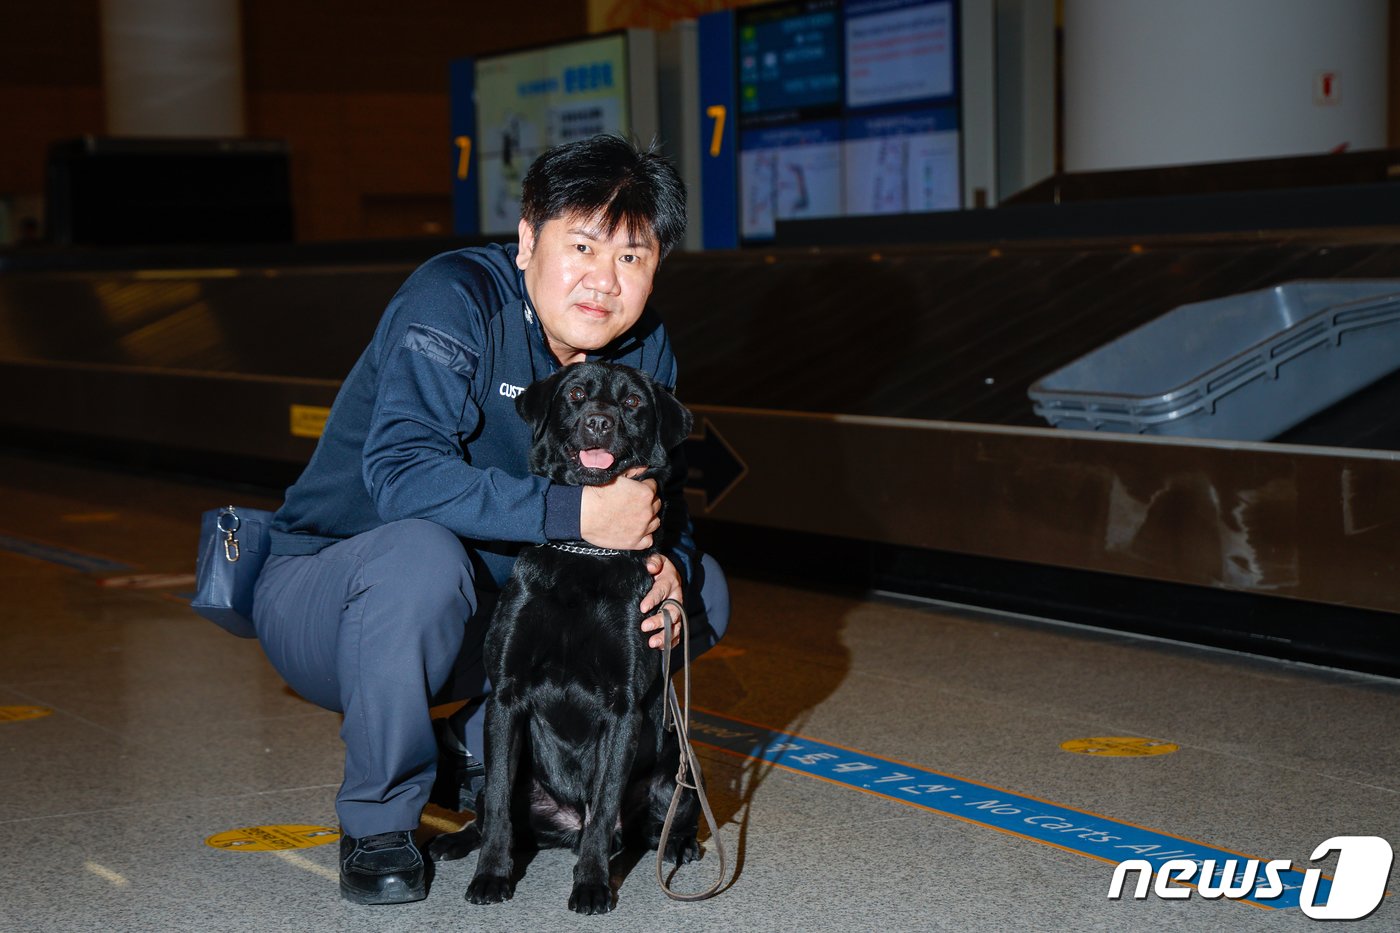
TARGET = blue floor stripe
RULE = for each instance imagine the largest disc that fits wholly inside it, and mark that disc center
(1065, 827)
(53, 554)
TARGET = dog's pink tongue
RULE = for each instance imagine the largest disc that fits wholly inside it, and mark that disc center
(595, 458)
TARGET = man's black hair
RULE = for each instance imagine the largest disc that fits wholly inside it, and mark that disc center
(634, 189)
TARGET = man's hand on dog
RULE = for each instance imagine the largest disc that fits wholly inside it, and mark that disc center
(666, 584)
(622, 514)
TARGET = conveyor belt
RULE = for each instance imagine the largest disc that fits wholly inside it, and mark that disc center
(875, 397)
(954, 333)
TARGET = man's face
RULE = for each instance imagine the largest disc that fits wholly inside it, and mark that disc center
(587, 287)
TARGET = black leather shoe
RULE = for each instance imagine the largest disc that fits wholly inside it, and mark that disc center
(460, 775)
(385, 868)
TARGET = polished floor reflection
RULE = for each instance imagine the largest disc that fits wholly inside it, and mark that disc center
(155, 773)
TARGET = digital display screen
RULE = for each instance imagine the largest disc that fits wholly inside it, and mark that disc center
(898, 51)
(790, 57)
(788, 173)
(902, 163)
(529, 101)
(846, 109)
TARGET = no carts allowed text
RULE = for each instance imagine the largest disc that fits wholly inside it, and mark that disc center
(1358, 883)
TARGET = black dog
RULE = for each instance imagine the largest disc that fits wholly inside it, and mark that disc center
(575, 750)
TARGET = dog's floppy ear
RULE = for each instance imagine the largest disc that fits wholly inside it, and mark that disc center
(534, 403)
(673, 419)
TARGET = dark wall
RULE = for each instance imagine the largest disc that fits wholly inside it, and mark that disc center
(50, 85)
(359, 89)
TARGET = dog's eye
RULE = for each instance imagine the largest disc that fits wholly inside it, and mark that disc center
(632, 401)
(576, 394)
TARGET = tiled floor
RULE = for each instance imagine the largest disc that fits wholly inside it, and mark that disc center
(164, 731)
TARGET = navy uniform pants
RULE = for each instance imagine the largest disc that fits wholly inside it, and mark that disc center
(384, 625)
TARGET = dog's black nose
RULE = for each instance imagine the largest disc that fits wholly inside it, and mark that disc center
(598, 424)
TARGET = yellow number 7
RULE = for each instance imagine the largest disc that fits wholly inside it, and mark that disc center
(464, 146)
(716, 112)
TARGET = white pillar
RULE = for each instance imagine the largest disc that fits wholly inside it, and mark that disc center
(979, 103)
(1025, 93)
(172, 67)
(1164, 82)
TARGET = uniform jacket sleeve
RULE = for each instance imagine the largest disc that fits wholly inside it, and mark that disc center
(413, 464)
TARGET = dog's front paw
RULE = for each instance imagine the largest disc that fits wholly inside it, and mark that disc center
(451, 846)
(489, 889)
(681, 850)
(591, 898)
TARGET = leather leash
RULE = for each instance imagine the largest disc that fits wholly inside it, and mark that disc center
(676, 718)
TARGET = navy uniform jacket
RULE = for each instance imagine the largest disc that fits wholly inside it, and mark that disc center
(425, 425)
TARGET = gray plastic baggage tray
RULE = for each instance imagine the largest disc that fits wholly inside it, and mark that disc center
(1244, 367)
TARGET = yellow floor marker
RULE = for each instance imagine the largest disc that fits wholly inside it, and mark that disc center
(272, 838)
(16, 713)
(1119, 746)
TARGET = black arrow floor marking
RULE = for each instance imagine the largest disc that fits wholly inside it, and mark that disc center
(714, 467)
